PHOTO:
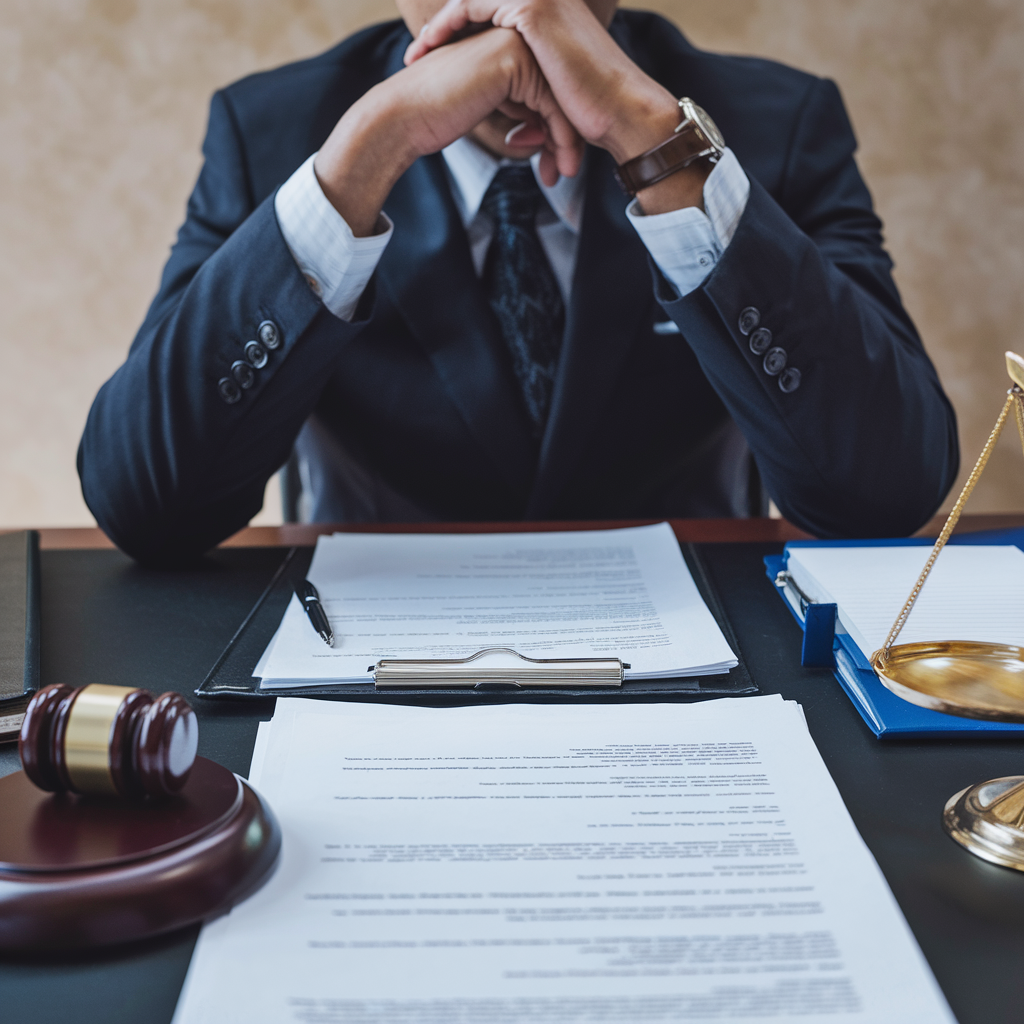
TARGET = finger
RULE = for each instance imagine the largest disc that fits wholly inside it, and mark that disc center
(526, 135)
(450, 20)
(548, 168)
(529, 132)
(531, 89)
(556, 133)
(568, 150)
(513, 132)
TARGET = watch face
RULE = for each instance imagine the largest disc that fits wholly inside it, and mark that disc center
(706, 125)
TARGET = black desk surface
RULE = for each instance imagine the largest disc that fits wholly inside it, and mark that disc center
(106, 620)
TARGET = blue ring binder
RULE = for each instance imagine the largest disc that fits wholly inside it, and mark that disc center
(885, 714)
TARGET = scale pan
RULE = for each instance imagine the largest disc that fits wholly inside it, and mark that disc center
(958, 677)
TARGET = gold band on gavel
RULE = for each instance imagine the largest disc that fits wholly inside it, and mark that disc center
(87, 739)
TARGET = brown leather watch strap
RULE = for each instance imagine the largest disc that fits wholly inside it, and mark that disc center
(683, 148)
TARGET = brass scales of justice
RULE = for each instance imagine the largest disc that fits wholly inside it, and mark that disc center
(972, 679)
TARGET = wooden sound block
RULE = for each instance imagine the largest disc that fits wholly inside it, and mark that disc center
(79, 871)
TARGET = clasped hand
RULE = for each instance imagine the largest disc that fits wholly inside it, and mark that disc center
(604, 96)
(548, 65)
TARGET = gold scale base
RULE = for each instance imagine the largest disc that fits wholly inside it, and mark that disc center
(976, 680)
(987, 819)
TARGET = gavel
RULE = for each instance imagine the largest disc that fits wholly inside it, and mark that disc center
(108, 740)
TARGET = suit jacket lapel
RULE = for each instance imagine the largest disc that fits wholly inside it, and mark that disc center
(611, 293)
(427, 271)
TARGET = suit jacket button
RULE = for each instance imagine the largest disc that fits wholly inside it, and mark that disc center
(789, 380)
(228, 390)
(256, 354)
(760, 340)
(243, 373)
(749, 319)
(268, 333)
(774, 361)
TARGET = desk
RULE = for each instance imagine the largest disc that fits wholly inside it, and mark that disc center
(106, 619)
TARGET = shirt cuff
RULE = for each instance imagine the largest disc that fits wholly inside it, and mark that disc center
(337, 265)
(687, 244)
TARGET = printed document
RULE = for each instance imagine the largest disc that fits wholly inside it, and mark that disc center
(624, 594)
(562, 864)
(974, 592)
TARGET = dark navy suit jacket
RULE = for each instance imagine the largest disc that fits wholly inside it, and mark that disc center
(416, 396)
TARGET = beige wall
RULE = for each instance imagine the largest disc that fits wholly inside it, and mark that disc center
(103, 107)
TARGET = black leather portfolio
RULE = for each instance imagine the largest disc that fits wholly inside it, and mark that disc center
(19, 627)
(231, 677)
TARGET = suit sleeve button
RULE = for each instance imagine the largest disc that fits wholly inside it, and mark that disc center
(749, 319)
(228, 390)
(789, 380)
(256, 354)
(243, 373)
(268, 333)
(760, 341)
(774, 361)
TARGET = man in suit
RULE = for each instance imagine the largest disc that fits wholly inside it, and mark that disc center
(413, 264)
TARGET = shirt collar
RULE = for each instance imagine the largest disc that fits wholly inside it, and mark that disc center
(472, 169)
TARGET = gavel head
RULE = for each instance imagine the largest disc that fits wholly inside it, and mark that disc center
(108, 740)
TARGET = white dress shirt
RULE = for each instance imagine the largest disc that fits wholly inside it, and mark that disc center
(685, 244)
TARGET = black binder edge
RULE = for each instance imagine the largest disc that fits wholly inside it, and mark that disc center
(229, 679)
(695, 562)
(33, 612)
(210, 689)
(14, 707)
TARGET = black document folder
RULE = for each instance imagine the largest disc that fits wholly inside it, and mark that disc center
(231, 677)
(19, 627)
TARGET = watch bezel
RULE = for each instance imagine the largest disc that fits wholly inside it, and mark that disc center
(701, 121)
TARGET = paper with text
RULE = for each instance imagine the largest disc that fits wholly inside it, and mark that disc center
(534, 865)
(974, 592)
(600, 593)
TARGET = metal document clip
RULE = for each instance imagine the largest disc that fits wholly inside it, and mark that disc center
(497, 667)
(784, 581)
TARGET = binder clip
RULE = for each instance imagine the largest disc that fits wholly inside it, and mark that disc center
(497, 668)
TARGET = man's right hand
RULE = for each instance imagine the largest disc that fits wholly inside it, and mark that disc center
(429, 105)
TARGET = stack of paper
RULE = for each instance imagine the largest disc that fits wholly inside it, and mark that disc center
(972, 592)
(602, 593)
(532, 865)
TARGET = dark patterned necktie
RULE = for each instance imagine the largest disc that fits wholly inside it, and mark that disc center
(521, 287)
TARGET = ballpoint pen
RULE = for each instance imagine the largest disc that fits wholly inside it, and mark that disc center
(310, 599)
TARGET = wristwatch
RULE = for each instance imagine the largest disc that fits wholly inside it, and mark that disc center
(696, 137)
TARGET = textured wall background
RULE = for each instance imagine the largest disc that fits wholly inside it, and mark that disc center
(102, 111)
